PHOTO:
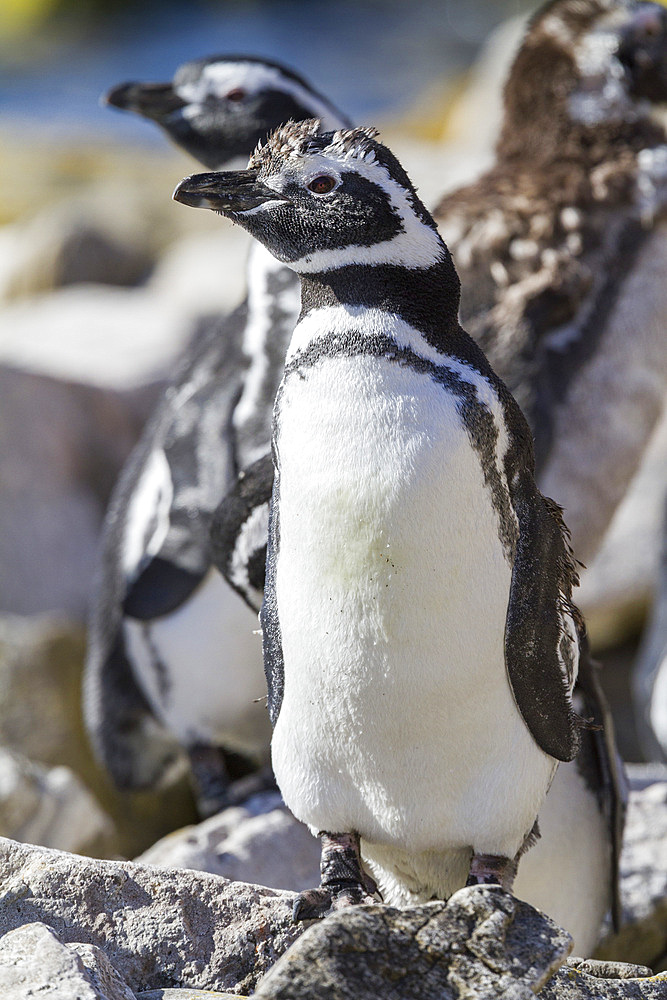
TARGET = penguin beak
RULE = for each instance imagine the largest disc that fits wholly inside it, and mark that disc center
(228, 192)
(151, 100)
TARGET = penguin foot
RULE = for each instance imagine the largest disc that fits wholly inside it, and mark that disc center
(344, 882)
(492, 869)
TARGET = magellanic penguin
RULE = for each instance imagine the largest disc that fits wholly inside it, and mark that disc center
(172, 658)
(420, 641)
(542, 242)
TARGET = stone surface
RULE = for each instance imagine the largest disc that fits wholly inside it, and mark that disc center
(65, 244)
(570, 984)
(482, 943)
(41, 661)
(159, 928)
(50, 806)
(643, 935)
(35, 963)
(61, 447)
(258, 842)
(186, 995)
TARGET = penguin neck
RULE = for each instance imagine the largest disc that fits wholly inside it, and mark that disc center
(426, 298)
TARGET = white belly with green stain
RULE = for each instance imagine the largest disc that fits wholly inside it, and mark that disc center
(392, 588)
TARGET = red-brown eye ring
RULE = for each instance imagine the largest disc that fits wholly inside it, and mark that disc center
(237, 94)
(322, 184)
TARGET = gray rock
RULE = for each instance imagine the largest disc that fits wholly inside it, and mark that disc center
(158, 927)
(259, 842)
(570, 984)
(41, 662)
(643, 935)
(482, 943)
(101, 972)
(186, 995)
(74, 241)
(609, 970)
(50, 806)
(61, 447)
(35, 963)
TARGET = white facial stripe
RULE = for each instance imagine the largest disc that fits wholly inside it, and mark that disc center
(217, 79)
(416, 246)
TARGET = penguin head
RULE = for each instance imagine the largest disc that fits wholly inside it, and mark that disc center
(587, 69)
(321, 201)
(219, 108)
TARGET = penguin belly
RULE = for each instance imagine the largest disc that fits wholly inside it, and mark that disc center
(200, 668)
(392, 585)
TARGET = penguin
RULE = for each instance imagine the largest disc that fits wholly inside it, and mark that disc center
(549, 247)
(561, 247)
(173, 661)
(420, 641)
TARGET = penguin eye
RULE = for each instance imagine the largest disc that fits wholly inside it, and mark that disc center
(322, 184)
(237, 94)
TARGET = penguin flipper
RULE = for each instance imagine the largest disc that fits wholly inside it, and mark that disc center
(161, 587)
(540, 655)
(126, 737)
(239, 531)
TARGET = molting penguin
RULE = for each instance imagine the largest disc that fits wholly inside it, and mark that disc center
(172, 658)
(420, 641)
(562, 246)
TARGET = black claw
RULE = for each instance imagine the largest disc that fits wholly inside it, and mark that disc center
(313, 904)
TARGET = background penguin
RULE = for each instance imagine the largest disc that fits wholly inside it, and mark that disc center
(419, 637)
(173, 658)
(562, 249)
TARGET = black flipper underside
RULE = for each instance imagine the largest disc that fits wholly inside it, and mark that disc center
(541, 586)
(160, 589)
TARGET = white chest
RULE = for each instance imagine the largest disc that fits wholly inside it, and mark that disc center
(392, 588)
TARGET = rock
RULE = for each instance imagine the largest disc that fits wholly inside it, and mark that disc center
(259, 842)
(50, 806)
(643, 934)
(482, 943)
(185, 995)
(570, 984)
(61, 447)
(159, 928)
(35, 962)
(609, 970)
(41, 662)
(102, 973)
(65, 244)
